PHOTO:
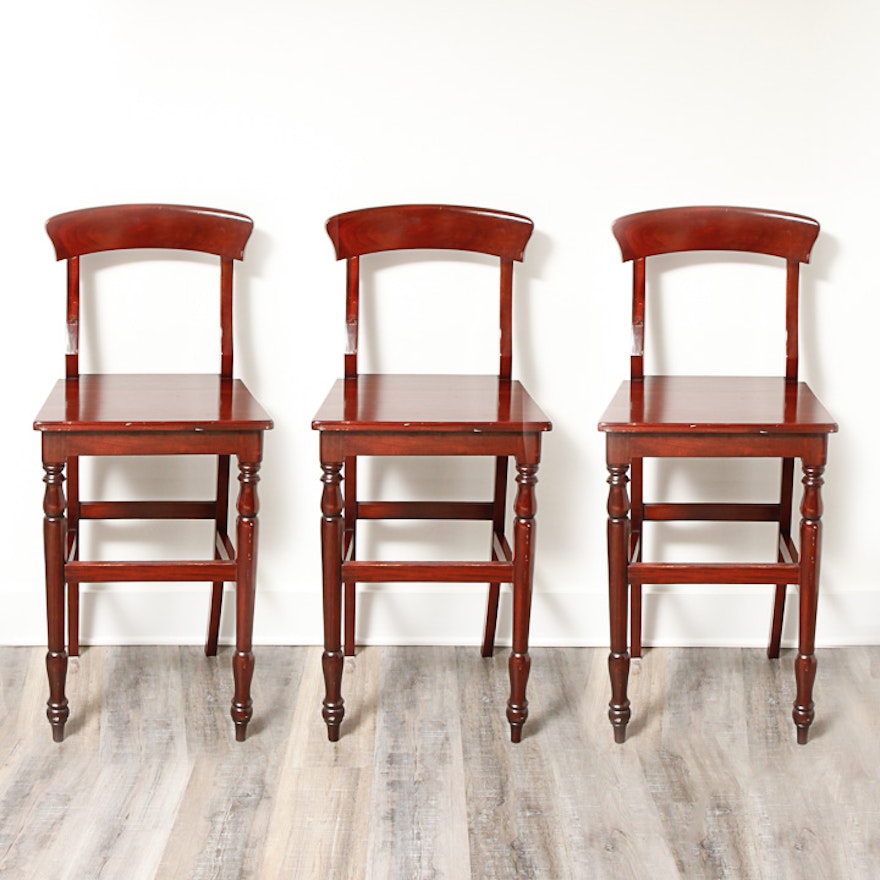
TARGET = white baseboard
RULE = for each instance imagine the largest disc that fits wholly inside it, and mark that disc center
(438, 614)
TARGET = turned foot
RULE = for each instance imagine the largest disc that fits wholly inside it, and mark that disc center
(242, 709)
(57, 709)
(334, 705)
(804, 708)
(619, 711)
(518, 705)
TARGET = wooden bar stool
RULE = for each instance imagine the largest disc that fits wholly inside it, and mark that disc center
(714, 417)
(150, 414)
(428, 415)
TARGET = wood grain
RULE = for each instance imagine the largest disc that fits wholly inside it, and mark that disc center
(424, 782)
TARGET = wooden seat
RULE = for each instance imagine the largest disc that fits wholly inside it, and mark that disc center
(428, 415)
(149, 414)
(714, 417)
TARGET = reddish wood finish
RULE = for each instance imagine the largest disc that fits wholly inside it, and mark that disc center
(710, 416)
(428, 415)
(112, 414)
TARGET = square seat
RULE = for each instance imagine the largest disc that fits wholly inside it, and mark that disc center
(661, 416)
(698, 405)
(427, 415)
(436, 403)
(155, 414)
(129, 404)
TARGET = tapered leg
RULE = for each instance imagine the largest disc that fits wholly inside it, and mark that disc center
(634, 534)
(523, 565)
(350, 597)
(498, 520)
(222, 523)
(55, 542)
(246, 551)
(635, 620)
(331, 556)
(618, 594)
(212, 639)
(72, 542)
(349, 593)
(785, 504)
(805, 664)
(775, 643)
(488, 647)
(73, 620)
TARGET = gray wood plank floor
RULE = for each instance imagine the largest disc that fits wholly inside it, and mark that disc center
(424, 783)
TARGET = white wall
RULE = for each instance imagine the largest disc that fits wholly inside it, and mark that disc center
(570, 112)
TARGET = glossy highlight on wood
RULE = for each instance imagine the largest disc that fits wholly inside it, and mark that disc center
(428, 415)
(714, 417)
(150, 414)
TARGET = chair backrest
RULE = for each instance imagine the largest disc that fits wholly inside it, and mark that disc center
(168, 227)
(709, 228)
(432, 227)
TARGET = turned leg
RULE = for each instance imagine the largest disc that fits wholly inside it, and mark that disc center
(805, 664)
(523, 564)
(55, 543)
(246, 553)
(618, 593)
(331, 557)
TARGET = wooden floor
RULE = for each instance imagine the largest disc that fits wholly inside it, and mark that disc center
(424, 782)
